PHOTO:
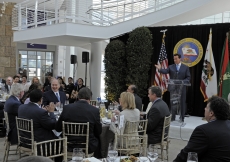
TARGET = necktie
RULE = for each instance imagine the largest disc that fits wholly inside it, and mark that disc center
(58, 97)
(177, 67)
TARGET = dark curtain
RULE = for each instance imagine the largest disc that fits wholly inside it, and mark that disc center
(195, 100)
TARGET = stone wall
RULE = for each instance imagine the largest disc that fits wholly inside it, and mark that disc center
(7, 46)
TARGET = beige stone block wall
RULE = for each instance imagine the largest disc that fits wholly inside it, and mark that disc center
(7, 46)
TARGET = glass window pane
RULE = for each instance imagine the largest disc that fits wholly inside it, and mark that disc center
(22, 54)
(32, 54)
(32, 73)
(40, 55)
(32, 63)
(49, 55)
(49, 62)
(23, 62)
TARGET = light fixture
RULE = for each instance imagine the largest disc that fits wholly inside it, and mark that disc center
(3, 9)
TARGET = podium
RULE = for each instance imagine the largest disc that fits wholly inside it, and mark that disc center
(175, 87)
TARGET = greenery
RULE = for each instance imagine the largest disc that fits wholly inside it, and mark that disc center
(139, 51)
(115, 70)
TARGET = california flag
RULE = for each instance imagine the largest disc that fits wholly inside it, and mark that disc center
(208, 85)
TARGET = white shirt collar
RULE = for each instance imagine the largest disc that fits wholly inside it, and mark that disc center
(56, 92)
(36, 104)
(179, 64)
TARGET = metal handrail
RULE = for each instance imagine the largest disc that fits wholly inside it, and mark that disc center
(36, 13)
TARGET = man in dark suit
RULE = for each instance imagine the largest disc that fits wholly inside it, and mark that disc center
(8, 84)
(11, 107)
(43, 122)
(181, 72)
(156, 115)
(211, 141)
(138, 101)
(82, 112)
(54, 95)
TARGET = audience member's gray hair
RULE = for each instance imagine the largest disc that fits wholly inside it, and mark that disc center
(85, 93)
(16, 89)
(35, 159)
(54, 79)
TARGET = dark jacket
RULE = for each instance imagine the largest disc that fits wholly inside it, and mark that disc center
(210, 141)
(43, 122)
(11, 107)
(49, 96)
(155, 116)
(82, 112)
(138, 102)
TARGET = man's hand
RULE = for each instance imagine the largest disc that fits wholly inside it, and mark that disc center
(158, 66)
(51, 107)
(67, 96)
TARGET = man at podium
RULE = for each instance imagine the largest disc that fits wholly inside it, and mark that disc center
(181, 72)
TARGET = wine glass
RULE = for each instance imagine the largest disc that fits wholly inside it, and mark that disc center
(112, 153)
(60, 108)
(142, 155)
(152, 153)
(78, 155)
(192, 157)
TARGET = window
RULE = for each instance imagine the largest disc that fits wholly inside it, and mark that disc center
(35, 63)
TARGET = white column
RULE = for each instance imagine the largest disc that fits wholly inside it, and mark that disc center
(95, 68)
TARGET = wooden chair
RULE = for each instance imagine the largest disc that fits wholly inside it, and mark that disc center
(52, 148)
(136, 127)
(7, 142)
(129, 144)
(93, 102)
(25, 143)
(77, 130)
(164, 144)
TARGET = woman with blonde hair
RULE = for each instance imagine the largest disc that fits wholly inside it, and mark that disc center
(130, 112)
(35, 80)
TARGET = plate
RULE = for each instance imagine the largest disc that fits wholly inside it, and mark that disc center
(122, 157)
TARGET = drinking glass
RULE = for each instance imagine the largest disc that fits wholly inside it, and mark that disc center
(142, 155)
(192, 157)
(78, 155)
(112, 153)
(66, 102)
(60, 108)
(152, 153)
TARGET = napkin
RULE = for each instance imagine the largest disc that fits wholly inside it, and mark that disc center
(92, 159)
(106, 121)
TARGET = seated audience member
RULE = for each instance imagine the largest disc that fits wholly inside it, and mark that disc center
(138, 101)
(156, 115)
(25, 84)
(16, 79)
(47, 82)
(35, 159)
(82, 112)
(62, 83)
(130, 112)
(54, 95)
(74, 94)
(211, 141)
(35, 80)
(26, 97)
(9, 81)
(43, 120)
(69, 88)
(11, 107)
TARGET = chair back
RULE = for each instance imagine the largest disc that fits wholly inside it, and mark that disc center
(93, 102)
(130, 144)
(136, 127)
(166, 126)
(7, 123)
(71, 130)
(25, 133)
(52, 148)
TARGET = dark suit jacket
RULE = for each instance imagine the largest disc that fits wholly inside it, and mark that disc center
(155, 116)
(11, 107)
(51, 97)
(42, 122)
(82, 112)
(210, 141)
(138, 102)
(182, 74)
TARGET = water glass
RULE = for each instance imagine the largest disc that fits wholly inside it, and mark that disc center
(192, 157)
(60, 108)
(78, 155)
(112, 153)
(142, 155)
(152, 153)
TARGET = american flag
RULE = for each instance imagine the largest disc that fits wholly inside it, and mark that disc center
(163, 61)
